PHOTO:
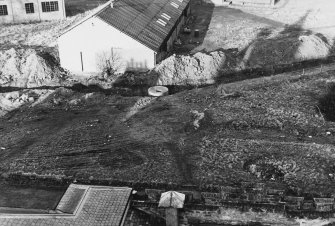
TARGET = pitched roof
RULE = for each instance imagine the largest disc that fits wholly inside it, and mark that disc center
(81, 205)
(138, 19)
(172, 199)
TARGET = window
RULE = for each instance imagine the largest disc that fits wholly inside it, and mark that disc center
(3, 10)
(29, 7)
(161, 22)
(49, 6)
(164, 15)
(175, 5)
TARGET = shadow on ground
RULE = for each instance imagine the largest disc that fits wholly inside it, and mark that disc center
(278, 56)
(327, 103)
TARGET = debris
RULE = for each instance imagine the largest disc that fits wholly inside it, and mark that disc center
(196, 69)
(198, 117)
(178, 42)
(28, 68)
(187, 30)
(74, 102)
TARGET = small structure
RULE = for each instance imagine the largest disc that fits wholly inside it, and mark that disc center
(81, 205)
(172, 201)
(132, 35)
(324, 204)
(19, 11)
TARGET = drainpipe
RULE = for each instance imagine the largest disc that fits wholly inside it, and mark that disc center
(38, 10)
(11, 6)
(64, 10)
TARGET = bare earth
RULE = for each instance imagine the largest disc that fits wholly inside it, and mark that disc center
(273, 130)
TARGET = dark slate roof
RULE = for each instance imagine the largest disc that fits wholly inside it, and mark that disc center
(138, 19)
(81, 205)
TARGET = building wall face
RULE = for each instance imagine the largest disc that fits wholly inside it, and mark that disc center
(79, 48)
(17, 11)
(175, 33)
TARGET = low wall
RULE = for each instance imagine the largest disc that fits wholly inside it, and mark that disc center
(254, 2)
(243, 2)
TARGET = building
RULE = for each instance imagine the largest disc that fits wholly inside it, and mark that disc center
(81, 205)
(139, 32)
(21, 11)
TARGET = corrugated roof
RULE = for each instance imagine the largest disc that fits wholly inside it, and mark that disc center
(138, 19)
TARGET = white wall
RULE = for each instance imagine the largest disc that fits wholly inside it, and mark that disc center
(17, 11)
(95, 36)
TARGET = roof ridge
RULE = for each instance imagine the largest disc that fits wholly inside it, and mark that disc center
(95, 12)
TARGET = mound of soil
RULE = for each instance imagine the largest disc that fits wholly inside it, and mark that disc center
(200, 68)
(29, 68)
(203, 68)
(10, 101)
(283, 50)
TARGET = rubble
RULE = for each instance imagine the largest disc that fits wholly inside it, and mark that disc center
(197, 69)
(28, 68)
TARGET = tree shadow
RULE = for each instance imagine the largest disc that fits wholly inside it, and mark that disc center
(326, 103)
(286, 45)
(267, 55)
(332, 49)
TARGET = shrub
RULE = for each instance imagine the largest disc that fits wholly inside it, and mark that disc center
(109, 63)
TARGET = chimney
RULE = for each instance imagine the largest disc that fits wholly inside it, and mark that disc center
(112, 3)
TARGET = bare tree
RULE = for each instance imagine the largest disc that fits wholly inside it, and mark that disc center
(109, 63)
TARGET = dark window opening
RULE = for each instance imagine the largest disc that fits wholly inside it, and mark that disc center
(3, 10)
(50, 6)
(29, 8)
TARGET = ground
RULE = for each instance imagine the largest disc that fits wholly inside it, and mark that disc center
(200, 136)
(278, 129)
(238, 26)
